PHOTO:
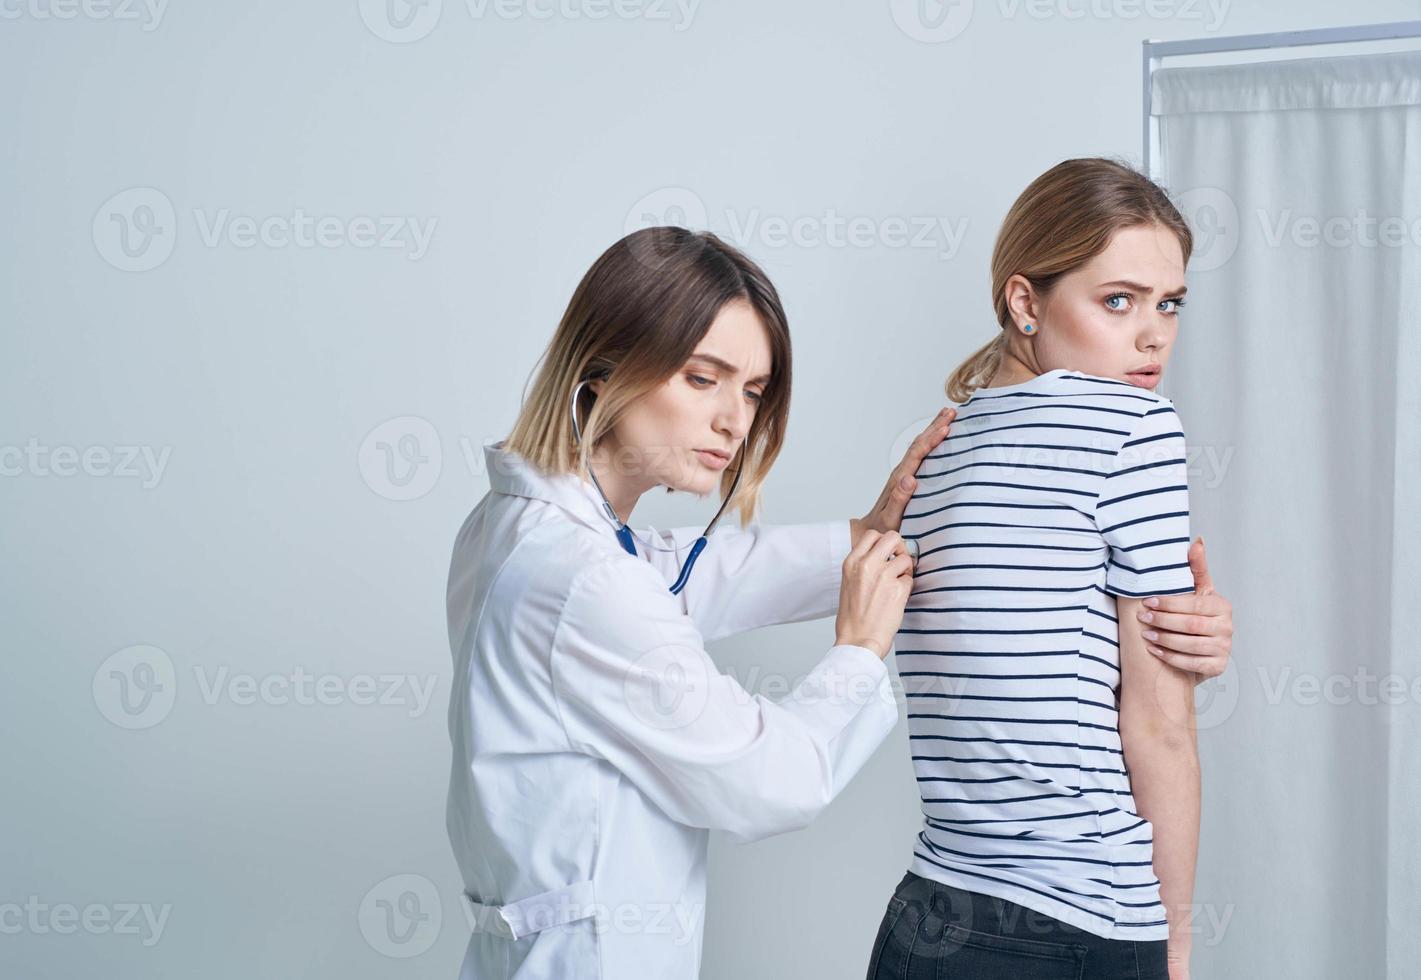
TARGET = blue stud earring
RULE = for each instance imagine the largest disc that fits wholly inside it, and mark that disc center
(1028, 329)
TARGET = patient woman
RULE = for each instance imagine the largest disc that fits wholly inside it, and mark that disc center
(1054, 749)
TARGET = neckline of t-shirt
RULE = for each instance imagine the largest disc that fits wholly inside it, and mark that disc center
(1020, 385)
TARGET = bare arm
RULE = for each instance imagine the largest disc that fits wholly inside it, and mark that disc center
(1161, 753)
(1195, 630)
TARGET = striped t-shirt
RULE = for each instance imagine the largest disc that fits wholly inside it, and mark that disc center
(1048, 499)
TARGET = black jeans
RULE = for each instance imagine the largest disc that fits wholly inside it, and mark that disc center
(933, 931)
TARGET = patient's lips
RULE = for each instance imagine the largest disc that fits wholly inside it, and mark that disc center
(1146, 375)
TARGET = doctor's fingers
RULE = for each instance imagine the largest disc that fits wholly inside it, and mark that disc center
(878, 545)
(1187, 643)
(867, 539)
(895, 495)
(901, 568)
(930, 438)
(1194, 624)
(1198, 604)
(1202, 667)
(926, 441)
(886, 559)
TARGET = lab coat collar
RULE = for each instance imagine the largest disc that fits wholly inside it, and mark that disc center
(510, 473)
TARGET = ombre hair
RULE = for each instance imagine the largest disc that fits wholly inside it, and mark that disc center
(634, 320)
(1063, 219)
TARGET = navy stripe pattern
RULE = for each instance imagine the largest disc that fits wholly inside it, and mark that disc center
(1049, 499)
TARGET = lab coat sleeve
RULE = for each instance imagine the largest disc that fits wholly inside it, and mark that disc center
(760, 575)
(634, 686)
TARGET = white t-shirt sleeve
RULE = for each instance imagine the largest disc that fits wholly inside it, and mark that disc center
(635, 686)
(1143, 509)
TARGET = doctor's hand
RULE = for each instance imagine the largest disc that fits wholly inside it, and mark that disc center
(1193, 631)
(887, 512)
(878, 576)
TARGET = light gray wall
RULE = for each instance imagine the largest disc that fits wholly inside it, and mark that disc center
(256, 533)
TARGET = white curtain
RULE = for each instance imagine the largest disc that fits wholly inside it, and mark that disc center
(1297, 374)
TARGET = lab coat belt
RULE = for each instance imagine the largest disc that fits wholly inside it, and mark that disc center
(518, 919)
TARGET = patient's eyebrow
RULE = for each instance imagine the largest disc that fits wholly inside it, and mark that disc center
(1140, 287)
(726, 366)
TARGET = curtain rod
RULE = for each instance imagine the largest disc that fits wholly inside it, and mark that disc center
(1153, 51)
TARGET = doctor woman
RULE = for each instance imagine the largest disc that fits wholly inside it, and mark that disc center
(595, 744)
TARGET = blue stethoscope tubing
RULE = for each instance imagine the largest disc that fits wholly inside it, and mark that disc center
(624, 534)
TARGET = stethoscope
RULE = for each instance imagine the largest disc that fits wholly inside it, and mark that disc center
(624, 533)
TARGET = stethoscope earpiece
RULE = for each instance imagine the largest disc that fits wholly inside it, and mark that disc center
(624, 533)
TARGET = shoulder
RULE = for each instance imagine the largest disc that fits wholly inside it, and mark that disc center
(617, 622)
(1141, 408)
(615, 593)
(1138, 400)
(557, 562)
(596, 601)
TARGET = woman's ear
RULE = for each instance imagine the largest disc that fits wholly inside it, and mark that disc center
(596, 387)
(1021, 300)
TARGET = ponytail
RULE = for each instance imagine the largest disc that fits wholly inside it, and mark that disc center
(977, 370)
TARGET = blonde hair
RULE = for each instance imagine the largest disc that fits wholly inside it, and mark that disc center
(634, 320)
(1063, 219)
